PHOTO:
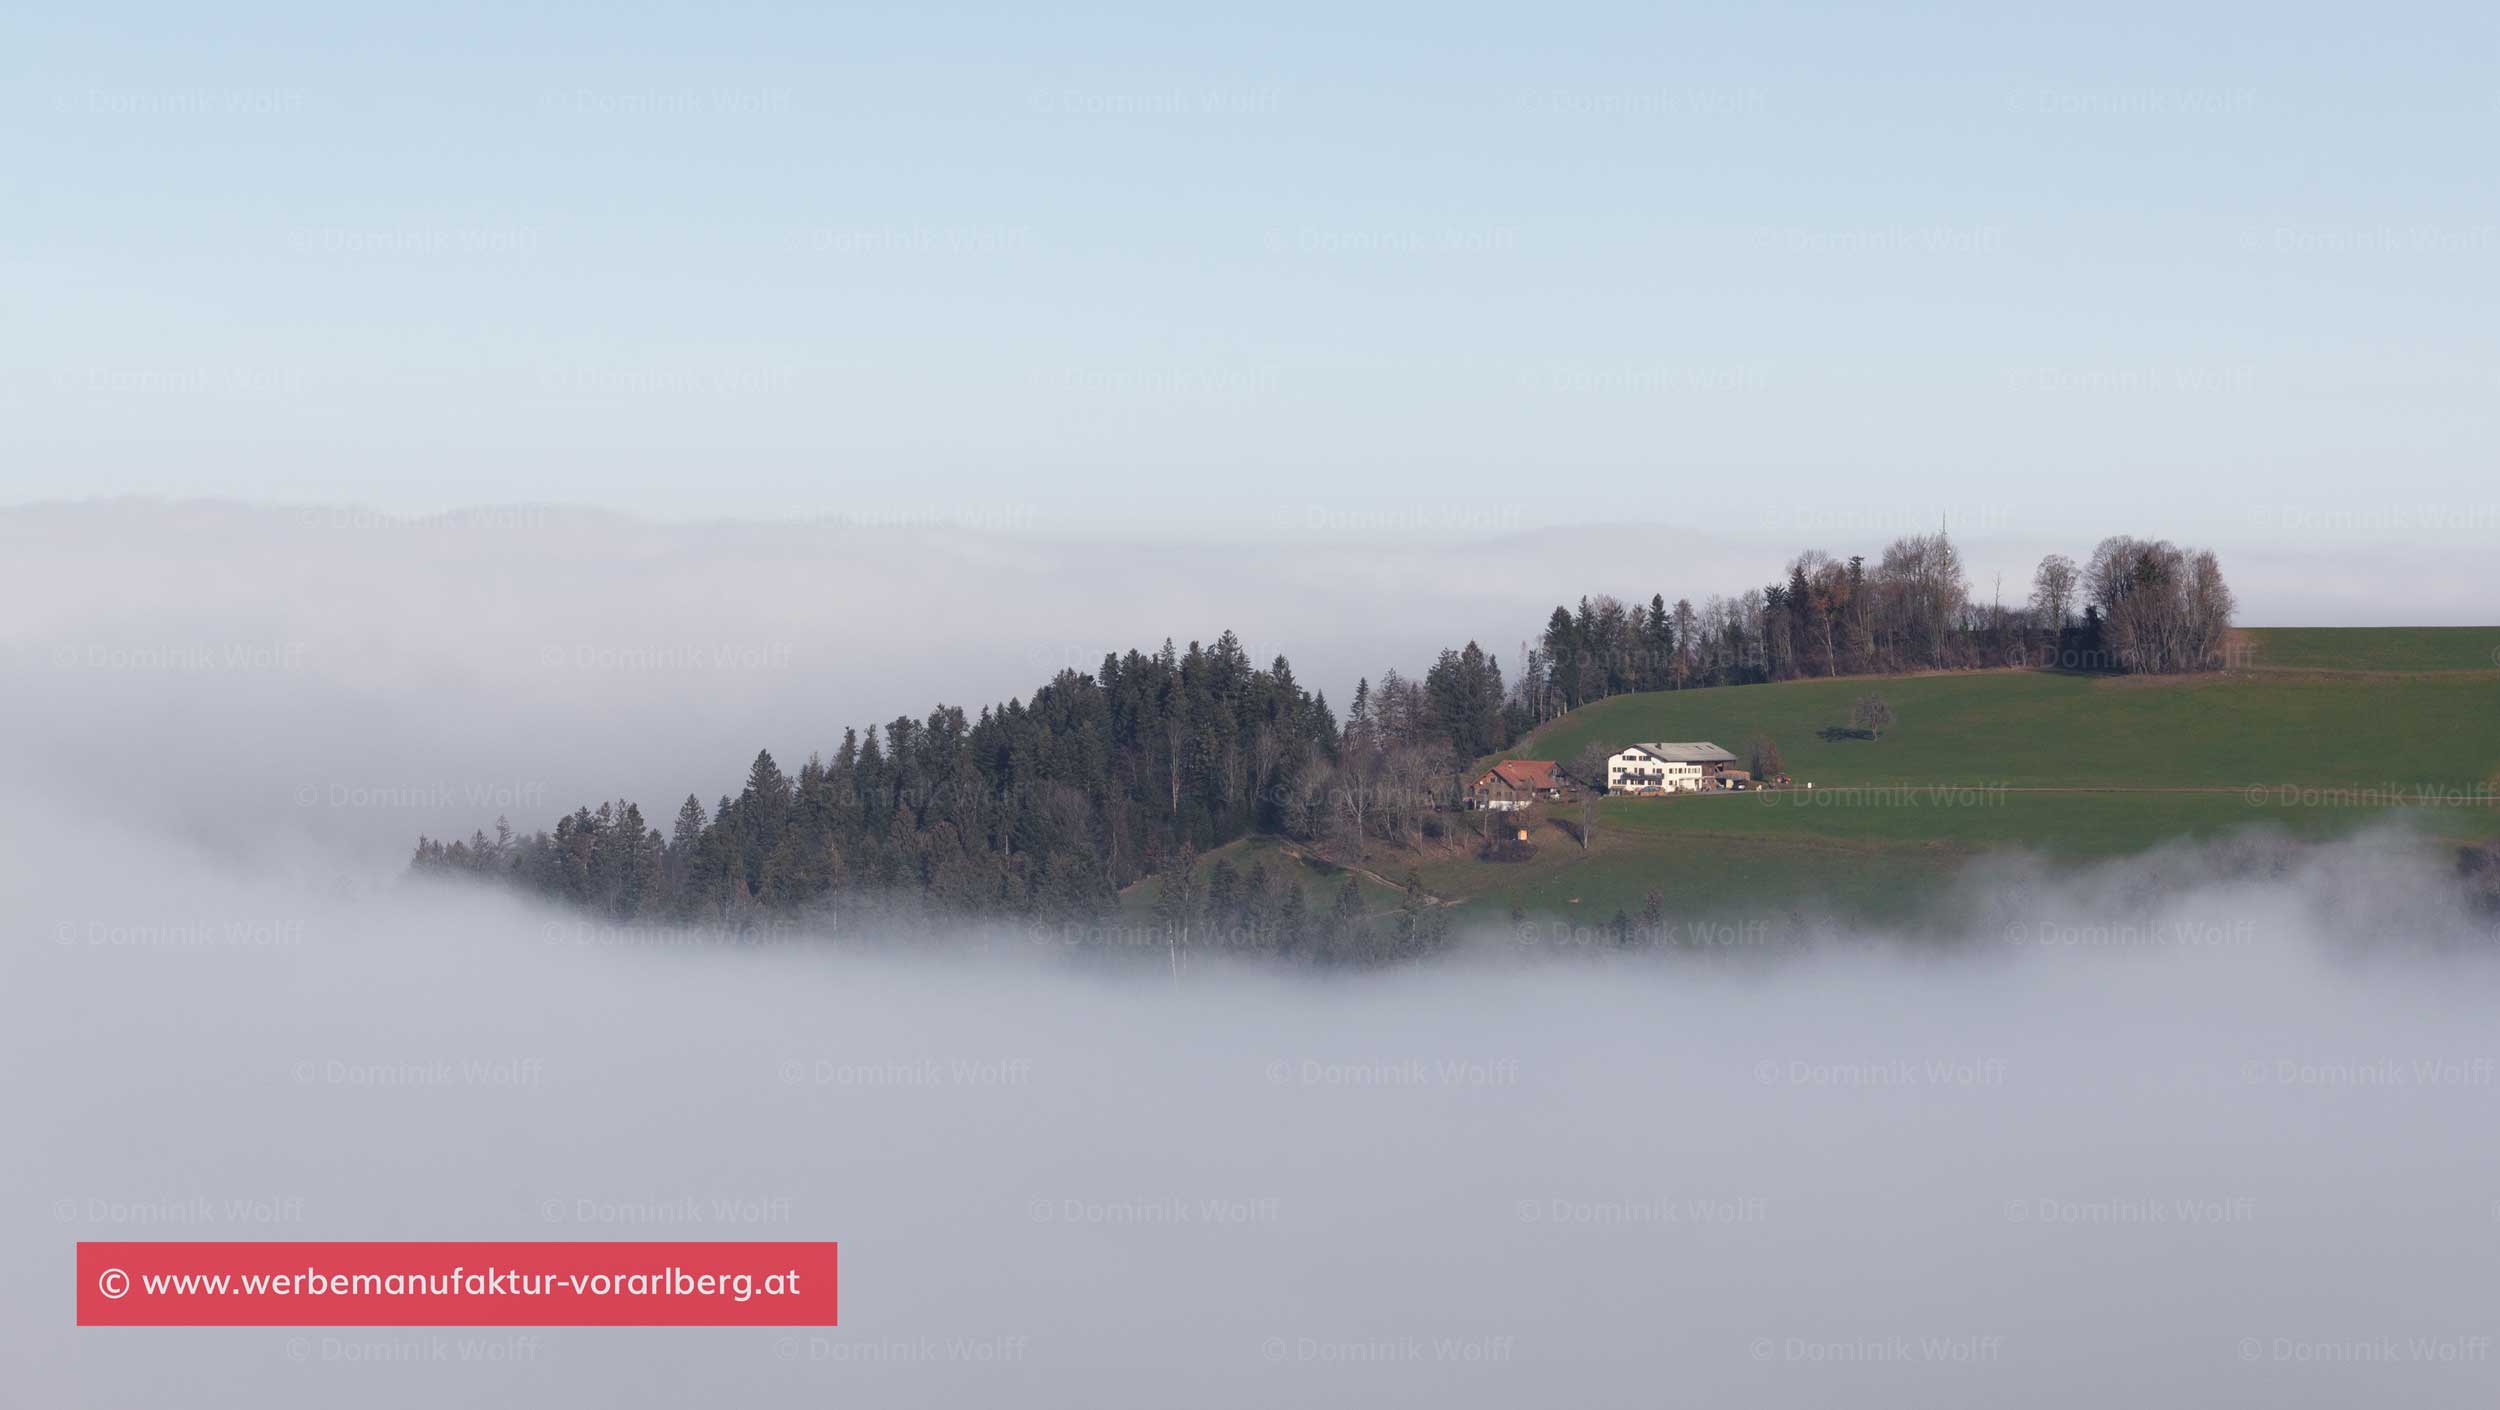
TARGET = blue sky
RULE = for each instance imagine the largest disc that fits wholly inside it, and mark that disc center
(1428, 269)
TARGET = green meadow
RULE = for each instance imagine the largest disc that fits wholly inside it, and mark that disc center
(2402, 733)
(2373, 648)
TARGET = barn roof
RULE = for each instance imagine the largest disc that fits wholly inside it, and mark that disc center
(1528, 773)
(1694, 752)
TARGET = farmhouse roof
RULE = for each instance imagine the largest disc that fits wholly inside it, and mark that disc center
(1527, 773)
(1695, 752)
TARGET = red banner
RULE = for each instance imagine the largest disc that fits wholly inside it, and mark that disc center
(456, 1284)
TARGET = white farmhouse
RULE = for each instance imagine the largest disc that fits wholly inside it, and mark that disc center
(1667, 768)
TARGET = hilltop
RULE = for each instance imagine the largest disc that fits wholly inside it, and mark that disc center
(2320, 733)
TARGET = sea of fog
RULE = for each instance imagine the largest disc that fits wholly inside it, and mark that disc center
(2183, 1129)
(2213, 1125)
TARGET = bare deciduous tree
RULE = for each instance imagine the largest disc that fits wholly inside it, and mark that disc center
(2163, 609)
(2053, 590)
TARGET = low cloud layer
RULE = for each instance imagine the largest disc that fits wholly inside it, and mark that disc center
(2212, 1124)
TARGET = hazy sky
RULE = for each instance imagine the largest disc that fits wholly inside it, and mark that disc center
(1425, 270)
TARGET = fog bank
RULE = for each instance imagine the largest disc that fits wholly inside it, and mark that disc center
(2195, 1127)
(2211, 1125)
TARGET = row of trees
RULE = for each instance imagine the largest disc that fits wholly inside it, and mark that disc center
(1909, 610)
(2140, 605)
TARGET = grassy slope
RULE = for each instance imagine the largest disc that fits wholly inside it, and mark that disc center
(1888, 818)
(2037, 729)
(2374, 648)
